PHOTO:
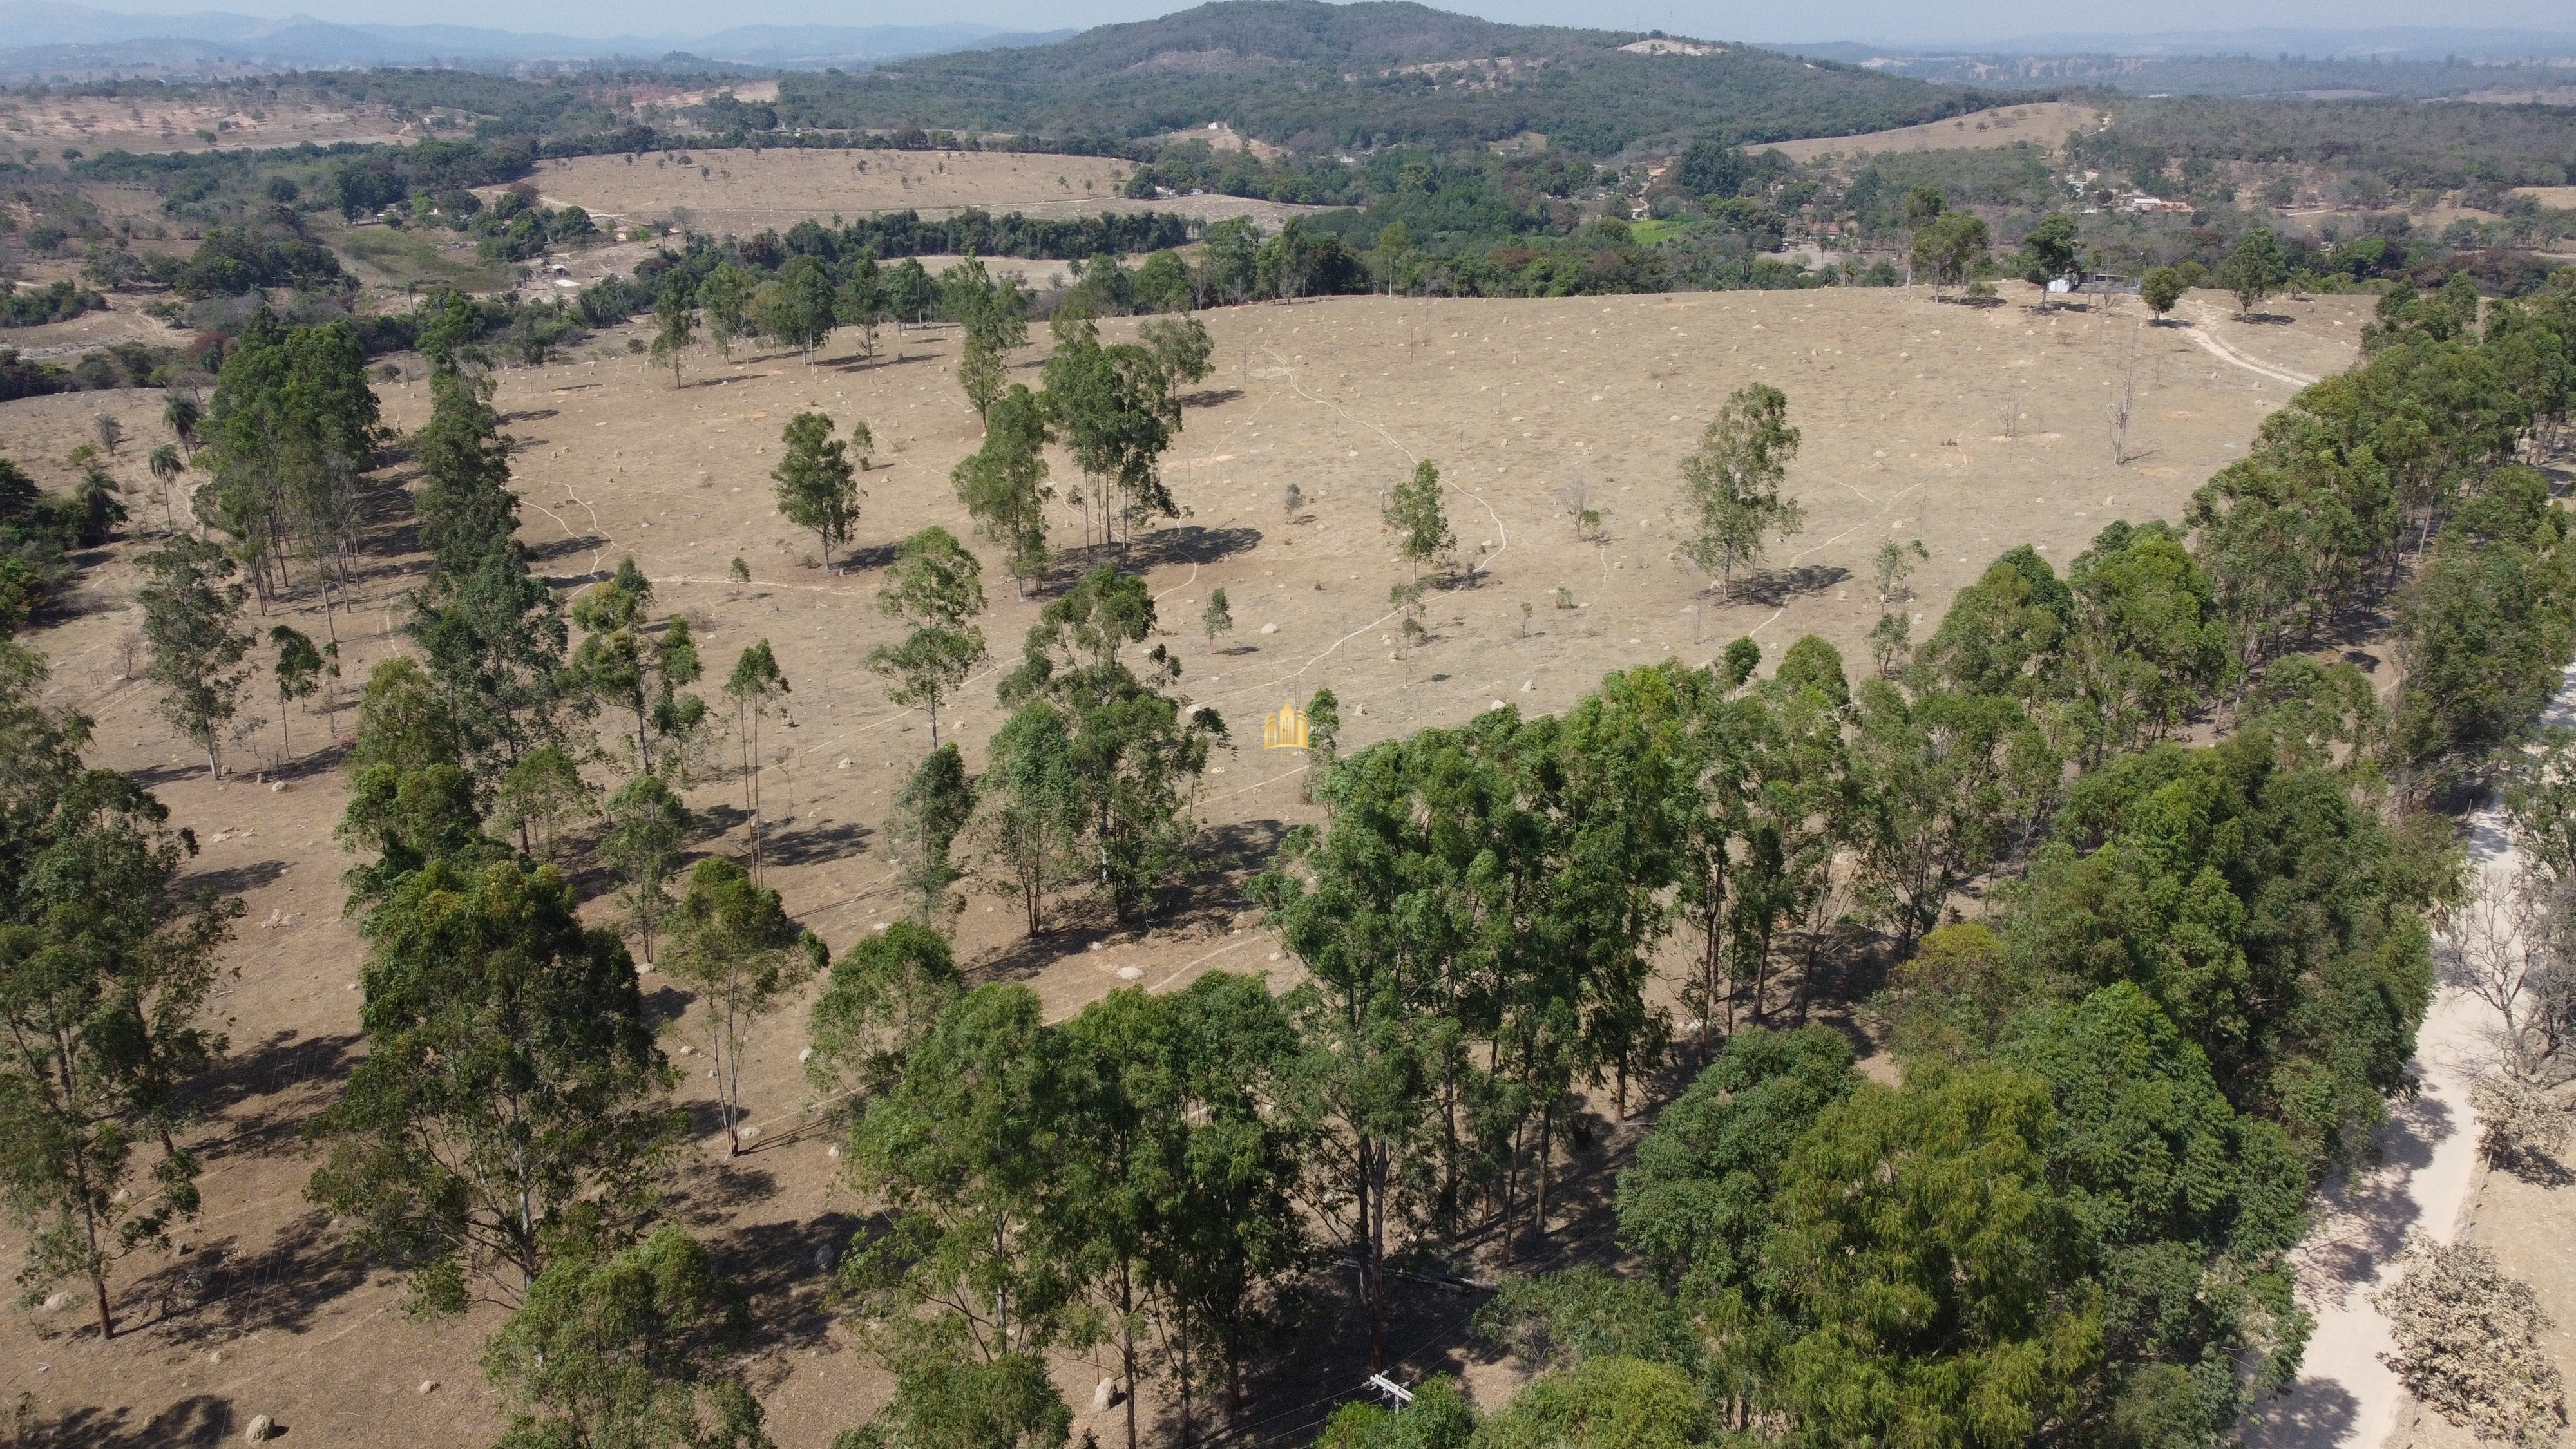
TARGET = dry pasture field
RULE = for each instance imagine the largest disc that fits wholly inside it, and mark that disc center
(745, 191)
(93, 124)
(2045, 124)
(1972, 429)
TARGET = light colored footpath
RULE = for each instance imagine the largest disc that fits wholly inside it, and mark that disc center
(2346, 1397)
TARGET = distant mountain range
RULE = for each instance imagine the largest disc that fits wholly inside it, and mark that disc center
(2387, 42)
(2410, 63)
(44, 38)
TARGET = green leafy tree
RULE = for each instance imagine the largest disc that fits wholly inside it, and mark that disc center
(958, 1153)
(675, 324)
(1414, 515)
(190, 620)
(726, 296)
(733, 945)
(181, 414)
(630, 1348)
(539, 797)
(934, 809)
(883, 996)
(862, 301)
(298, 672)
(2147, 648)
(1030, 828)
(1218, 619)
(167, 467)
(1894, 565)
(2160, 289)
(755, 686)
(510, 1092)
(647, 827)
(994, 316)
(1113, 407)
(1135, 753)
(817, 488)
(620, 663)
(936, 586)
(106, 971)
(1731, 485)
(801, 309)
(1175, 1207)
(1003, 483)
(944, 1401)
(1598, 1403)
(2254, 268)
(2048, 252)
(1181, 346)
(1926, 1277)
(1950, 248)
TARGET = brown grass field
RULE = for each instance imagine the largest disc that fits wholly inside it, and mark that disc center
(94, 125)
(743, 192)
(2046, 125)
(1974, 430)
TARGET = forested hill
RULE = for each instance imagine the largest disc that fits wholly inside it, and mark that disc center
(1317, 77)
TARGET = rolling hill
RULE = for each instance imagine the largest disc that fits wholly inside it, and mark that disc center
(1316, 77)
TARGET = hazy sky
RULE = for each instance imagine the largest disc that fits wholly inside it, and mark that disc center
(1908, 20)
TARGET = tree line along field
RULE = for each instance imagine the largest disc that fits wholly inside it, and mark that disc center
(1973, 430)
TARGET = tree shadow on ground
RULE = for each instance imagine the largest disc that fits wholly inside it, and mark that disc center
(2362, 1217)
(717, 1191)
(1188, 544)
(1775, 587)
(552, 549)
(2314, 1414)
(1211, 895)
(814, 844)
(232, 880)
(1209, 397)
(286, 1073)
(786, 1270)
(861, 560)
(224, 1290)
(197, 1420)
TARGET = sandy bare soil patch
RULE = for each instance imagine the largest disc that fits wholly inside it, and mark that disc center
(744, 191)
(123, 321)
(1972, 429)
(94, 125)
(2046, 125)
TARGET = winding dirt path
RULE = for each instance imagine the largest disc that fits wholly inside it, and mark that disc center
(2346, 1397)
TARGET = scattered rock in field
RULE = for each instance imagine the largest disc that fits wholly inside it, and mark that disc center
(262, 1429)
(57, 1302)
(1104, 1394)
(1269, 628)
(1497, 704)
(806, 1055)
(1131, 973)
(687, 1050)
(1528, 684)
(214, 1355)
(833, 1152)
(744, 1136)
(427, 1386)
